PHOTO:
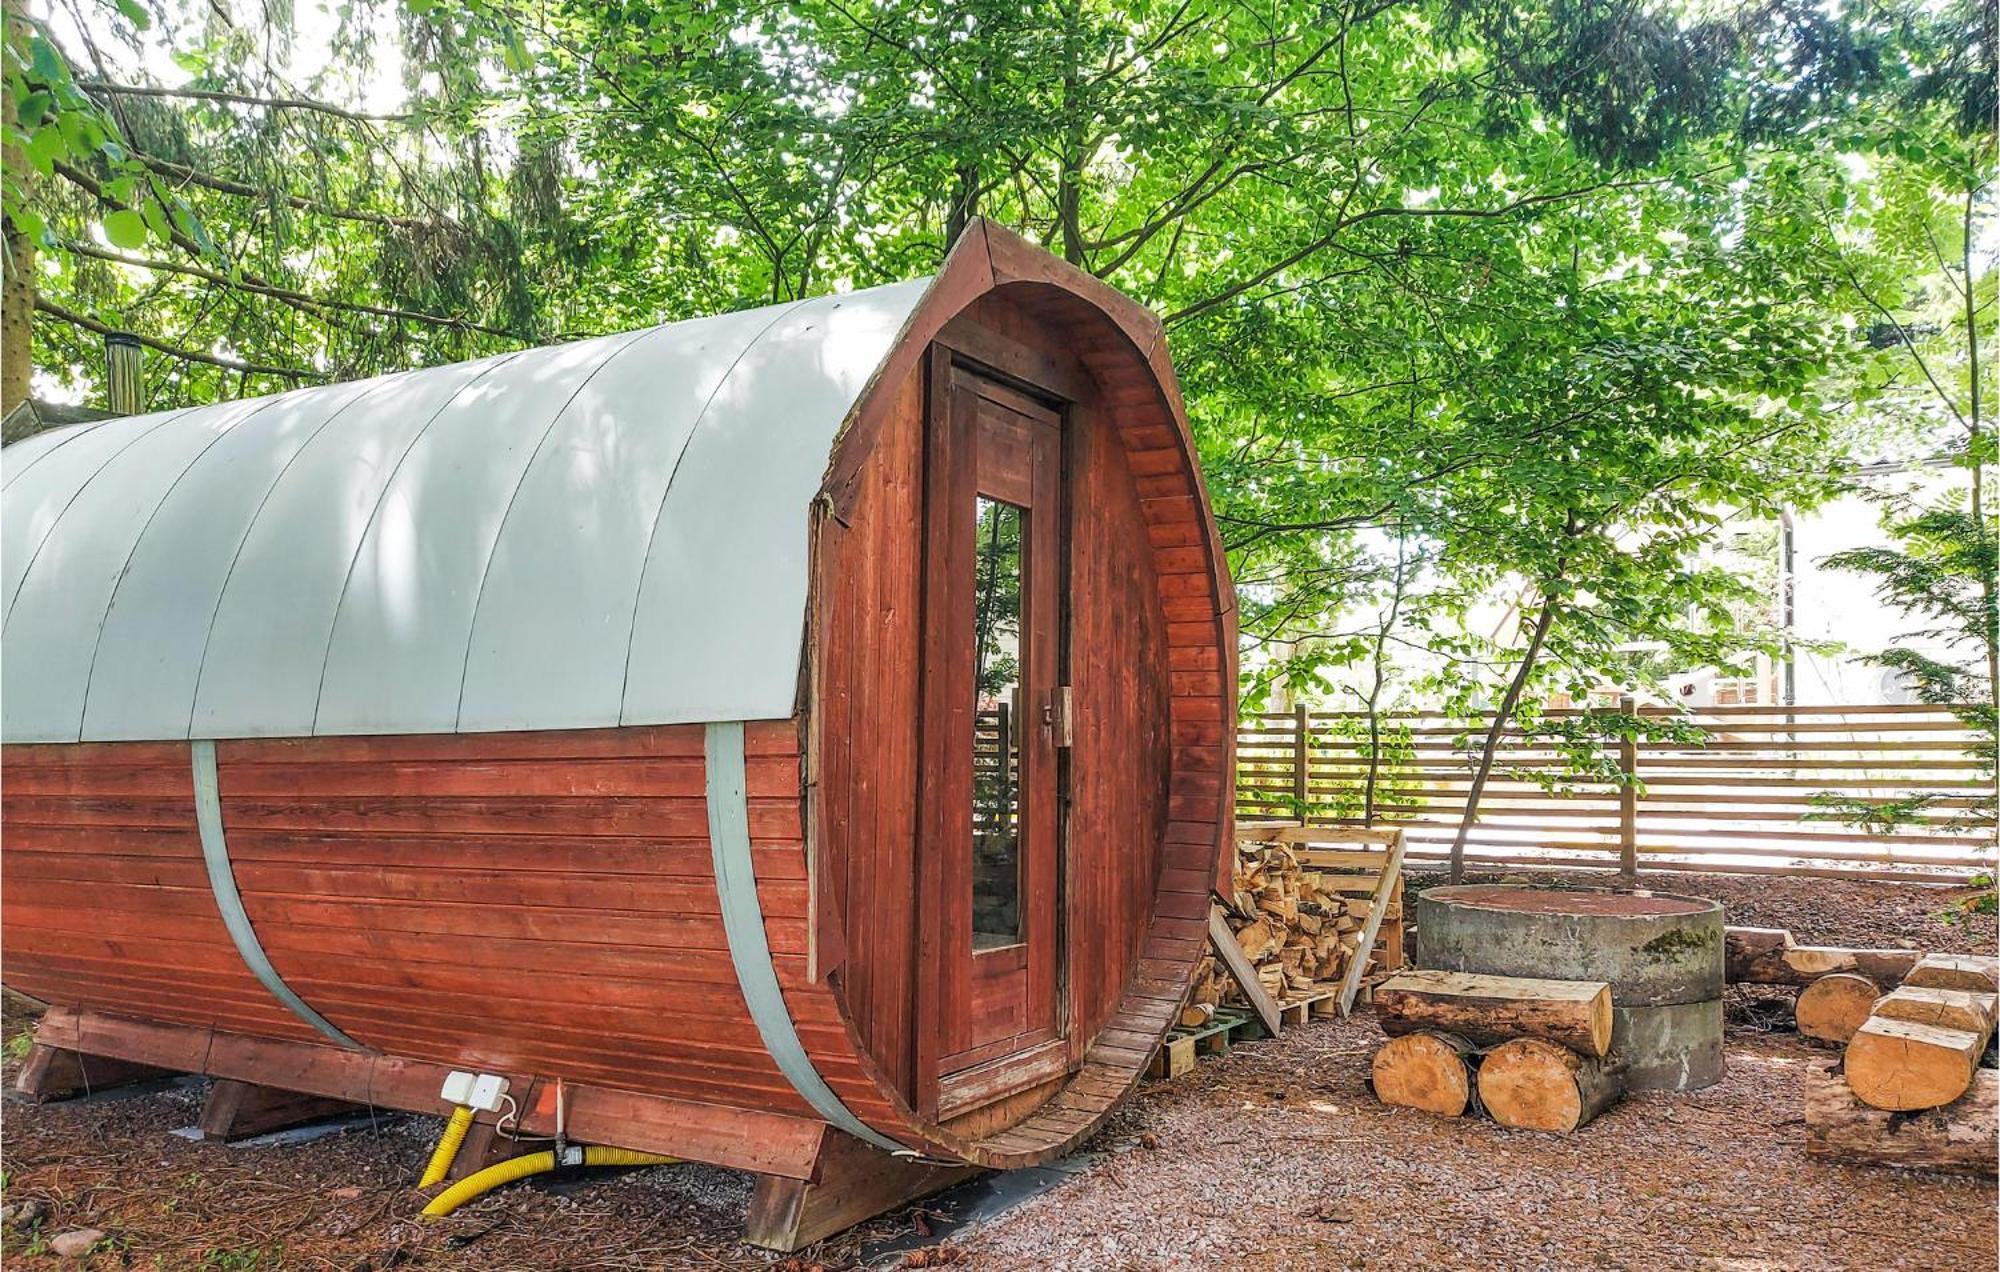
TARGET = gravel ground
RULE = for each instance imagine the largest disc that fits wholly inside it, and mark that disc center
(1275, 1156)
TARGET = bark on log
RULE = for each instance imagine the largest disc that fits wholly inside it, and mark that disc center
(1534, 1085)
(1493, 1009)
(1426, 1071)
(1958, 1137)
(1767, 956)
(1745, 948)
(1900, 1065)
(1979, 973)
(1833, 1007)
(1945, 1008)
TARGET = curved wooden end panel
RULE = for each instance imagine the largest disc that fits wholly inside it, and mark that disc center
(1143, 525)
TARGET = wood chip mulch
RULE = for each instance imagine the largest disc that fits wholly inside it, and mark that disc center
(1275, 1156)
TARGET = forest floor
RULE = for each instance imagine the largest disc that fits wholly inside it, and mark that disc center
(1274, 1156)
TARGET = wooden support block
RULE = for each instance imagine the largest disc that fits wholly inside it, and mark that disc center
(1833, 1007)
(1532, 1085)
(1945, 1008)
(237, 1110)
(851, 1183)
(1979, 973)
(1493, 1009)
(1325, 1007)
(484, 1146)
(1176, 1056)
(1899, 1065)
(1958, 1137)
(57, 1073)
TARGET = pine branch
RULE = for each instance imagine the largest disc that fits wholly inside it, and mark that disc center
(53, 310)
(223, 185)
(106, 88)
(300, 299)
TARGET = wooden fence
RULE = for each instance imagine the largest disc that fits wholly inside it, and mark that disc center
(1759, 789)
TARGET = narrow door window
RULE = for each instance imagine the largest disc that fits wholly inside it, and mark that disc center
(996, 724)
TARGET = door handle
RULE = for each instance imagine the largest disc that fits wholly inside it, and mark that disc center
(1059, 715)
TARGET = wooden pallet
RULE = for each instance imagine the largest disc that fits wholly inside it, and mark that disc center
(1184, 1046)
(1293, 1012)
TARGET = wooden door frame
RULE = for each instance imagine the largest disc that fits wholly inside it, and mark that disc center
(972, 348)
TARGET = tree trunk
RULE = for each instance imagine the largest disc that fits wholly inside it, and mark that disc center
(1493, 1009)
(1989, 601)
(1501, 716)
(1958, 1137)
(1833, 1007)
(17, 294)
(1900, 1065)
(964, 203)
(1533, 1085)
(1427, 1071)
(1380, 677)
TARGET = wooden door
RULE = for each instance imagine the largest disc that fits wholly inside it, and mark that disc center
(990, 1020)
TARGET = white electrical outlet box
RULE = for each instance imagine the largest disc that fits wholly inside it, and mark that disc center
(487, 1092)
(482, 1091)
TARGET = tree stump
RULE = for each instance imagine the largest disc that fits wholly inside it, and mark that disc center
(1428, 1071)
(1533, 1085)
(1833, 1007)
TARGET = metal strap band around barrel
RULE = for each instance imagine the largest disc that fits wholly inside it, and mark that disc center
(222, 881)
(743, 926)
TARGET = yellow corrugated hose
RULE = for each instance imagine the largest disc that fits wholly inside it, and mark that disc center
(446, 1151)
(531, 1164)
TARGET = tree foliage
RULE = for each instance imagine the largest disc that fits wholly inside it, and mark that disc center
(1470, 299)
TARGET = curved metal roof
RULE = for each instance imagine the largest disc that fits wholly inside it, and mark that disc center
(601, 533)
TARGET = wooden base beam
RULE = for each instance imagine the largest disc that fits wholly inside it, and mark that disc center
(740, 1139)
(851, 1183)
(237, 1110)
(58, 1073)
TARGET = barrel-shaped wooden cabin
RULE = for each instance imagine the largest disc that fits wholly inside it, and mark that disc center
(788, 731)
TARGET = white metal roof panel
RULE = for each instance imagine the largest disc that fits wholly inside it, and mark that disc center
(725, 580)
(148, 652)
(607, 532)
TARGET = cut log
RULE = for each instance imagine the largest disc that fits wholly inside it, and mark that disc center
(1491, 1009)
(1426, 1071)
(1767, 956)
(1833, 1007)
(1533, 1085)
(1900, 1065)
(1745, 949)
(1979, 973)
(1958, 1137)
(1945, 1008)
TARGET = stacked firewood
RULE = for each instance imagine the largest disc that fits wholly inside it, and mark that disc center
(1532, 1054)
(1911, 1088)
(1297, 926)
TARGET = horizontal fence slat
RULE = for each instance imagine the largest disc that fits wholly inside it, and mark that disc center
(1756, 795)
